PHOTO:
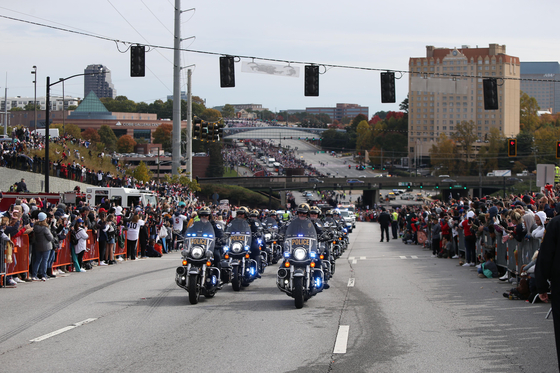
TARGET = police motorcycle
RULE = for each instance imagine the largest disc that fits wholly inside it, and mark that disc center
(324, 246)
(334, 232)
(241, 268)
(258, 236)
(271, 238)
(298, 275)
(197, 274)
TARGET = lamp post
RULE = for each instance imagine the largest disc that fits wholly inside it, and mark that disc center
(63, 108)
(34, 72)
(47, 119)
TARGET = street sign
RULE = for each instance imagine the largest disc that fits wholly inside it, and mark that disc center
(457, 186)
(545, 174)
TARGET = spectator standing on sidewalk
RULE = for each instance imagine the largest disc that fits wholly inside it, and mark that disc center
(548, 269)
(384, 221)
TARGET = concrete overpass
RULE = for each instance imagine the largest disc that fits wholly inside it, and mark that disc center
(463, 186)
(272, 132)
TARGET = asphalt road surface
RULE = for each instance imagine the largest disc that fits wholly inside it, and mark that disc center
(390, 308)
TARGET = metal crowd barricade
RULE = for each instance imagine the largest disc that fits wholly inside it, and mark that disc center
(461, 242)
(3, 264)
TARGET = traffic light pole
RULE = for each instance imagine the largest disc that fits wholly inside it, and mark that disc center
(176, 143)
(189, 126)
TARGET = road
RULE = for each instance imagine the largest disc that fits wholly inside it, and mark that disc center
(390, 308)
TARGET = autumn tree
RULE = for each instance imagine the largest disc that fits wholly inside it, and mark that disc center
(91, 135)
(163, 135)
(443, 154)
(141, 172)
(464, 136)
(528, 117)
(228, 111)
(119, 104)
(107, 137)
(489, 153)
(126, 144)
(211, 115)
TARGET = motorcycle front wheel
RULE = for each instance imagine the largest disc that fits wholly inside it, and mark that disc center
(299, 297)
(194, 290)
(236, 280)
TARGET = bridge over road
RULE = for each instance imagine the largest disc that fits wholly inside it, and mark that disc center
(463, 185)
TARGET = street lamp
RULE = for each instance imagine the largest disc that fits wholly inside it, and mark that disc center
(47, 119)
(34, 72)
(63, 110)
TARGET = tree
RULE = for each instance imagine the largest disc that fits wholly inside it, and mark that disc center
(216, 166)
(489, 153)
(404, 105)
(528, 117)
(120, 104)
(91, 135)
(363, 130)
(163, 135)
(465, 135)
(72, 107)
(16, 109)
(141, 172)
(444, 155)
(31, 107)
(126, 144)
(228, 111)
(107, 137)
(357, 119)
(183, 179)
(211, 115)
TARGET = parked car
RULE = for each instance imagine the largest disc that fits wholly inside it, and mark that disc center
(315, 180)
(353, 181)
(391, 196)
(407, 196)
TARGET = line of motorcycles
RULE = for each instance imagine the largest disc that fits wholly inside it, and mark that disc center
(307, 260)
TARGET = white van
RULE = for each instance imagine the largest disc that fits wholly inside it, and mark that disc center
(125, 197)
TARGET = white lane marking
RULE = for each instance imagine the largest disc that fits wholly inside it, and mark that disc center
(362, 258)
(62, 330)
(354, 261)
(341, 339)
(414, 257)
(351, 282)
(403, 257)
(351, 258)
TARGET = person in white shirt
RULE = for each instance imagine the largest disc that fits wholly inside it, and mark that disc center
(178, 221)
(132, 236)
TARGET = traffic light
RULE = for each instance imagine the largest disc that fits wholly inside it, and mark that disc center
(227, 72)
(137, 60)
(311, 80)
(220, 130)
(388, 88)
(437, 186)
(490, 87)
(204, 131)
(196, 132)
(421, 186)
(512, 147)
(557, 149)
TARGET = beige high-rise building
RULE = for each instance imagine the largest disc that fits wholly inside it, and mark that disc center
(445, 88)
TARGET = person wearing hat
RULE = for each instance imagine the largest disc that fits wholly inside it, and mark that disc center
(41, 248)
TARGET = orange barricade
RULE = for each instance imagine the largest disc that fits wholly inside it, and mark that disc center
(20, 263)
(64, 254)
(92, 248)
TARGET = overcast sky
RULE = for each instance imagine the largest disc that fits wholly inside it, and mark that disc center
(360, 33)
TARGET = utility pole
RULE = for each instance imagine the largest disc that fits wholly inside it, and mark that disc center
(176, 143)
(189, 125)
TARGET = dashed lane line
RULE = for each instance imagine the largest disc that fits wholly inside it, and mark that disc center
(351, 282)
(341, 339)
(62, 330)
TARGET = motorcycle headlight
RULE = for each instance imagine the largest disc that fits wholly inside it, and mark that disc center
(300, 254)
(197, 252)
(237, 247)
(267, 236)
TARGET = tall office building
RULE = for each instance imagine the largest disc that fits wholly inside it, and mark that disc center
(340, 111)
(98, 80)
(535, 84)
(445, 89)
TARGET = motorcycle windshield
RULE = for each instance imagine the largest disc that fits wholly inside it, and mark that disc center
(329, 223)
(299, 229)
(271, 223)
(239, 230)
(201, 234)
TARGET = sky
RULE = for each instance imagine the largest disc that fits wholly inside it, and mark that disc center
(355, 33)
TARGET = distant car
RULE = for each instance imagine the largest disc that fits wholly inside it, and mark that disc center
(361, 176)
(391, 196)
(407, 196)
(448, 180)
(307, 194)
(353, 181)
(419, 197)
(514, 180)
(315, 180)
